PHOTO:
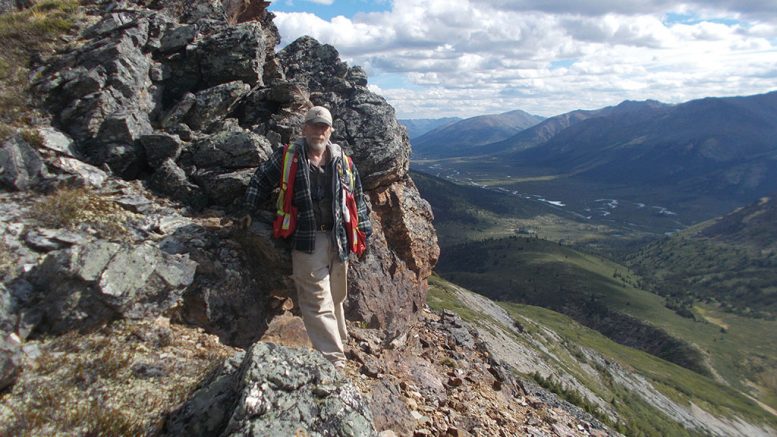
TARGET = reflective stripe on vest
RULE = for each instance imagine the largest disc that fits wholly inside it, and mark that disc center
(286, 220)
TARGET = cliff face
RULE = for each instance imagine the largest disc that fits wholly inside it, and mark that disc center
(190, 104)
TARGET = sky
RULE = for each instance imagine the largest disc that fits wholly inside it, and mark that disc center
(442, 58)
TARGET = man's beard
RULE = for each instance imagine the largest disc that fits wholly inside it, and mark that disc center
(317, 145)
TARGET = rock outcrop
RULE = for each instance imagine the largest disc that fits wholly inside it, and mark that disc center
(193, 105)
(159, 114)
(274, 390)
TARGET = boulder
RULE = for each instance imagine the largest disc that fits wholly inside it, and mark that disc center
(232, 148)
(237, 53)
(223, 188)
(171, 180)
(214, 104)
(160, 147)
(21, 166)
(275, 391)
(10, 359)
(88, 285)
(57, 141)
(83, 173)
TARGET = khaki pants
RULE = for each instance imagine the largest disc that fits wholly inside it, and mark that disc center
(321, 281)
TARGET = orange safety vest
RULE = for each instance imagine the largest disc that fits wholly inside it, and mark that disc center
(286, 216)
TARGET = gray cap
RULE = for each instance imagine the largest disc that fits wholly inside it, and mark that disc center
(318, 114)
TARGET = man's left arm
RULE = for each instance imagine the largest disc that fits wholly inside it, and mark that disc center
(364, 214)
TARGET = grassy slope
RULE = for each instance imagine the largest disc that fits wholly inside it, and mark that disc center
(31, 32)
(638, 417)
(739, 276)
(740, 356)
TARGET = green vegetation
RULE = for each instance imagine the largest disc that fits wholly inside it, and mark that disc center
(737, 350)
(595, 292)
(738, 277)
(72, 207)
(570, 354)
(465, 213)
(27, 33)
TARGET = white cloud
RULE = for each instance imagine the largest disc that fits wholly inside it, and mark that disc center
(483, 56)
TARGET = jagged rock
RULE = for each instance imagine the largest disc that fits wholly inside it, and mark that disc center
(388, 286)
(101, 92)
(357, 76)
(178, 112)
(214, 104)
(378, 143)
(52, 239)
(110, 24)
(235, 54)
(10, 359)
(177, 38)
(388, 409)
(232, 287)
(171, 180)
(21, 166)
(135, 203)
(223, 188)
(87, 285)
(160, 147)
(313, 64)
(84, 173)
(276, 391)
(233, 148)
(57, 141)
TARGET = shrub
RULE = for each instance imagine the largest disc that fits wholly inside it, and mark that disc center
(74, 207)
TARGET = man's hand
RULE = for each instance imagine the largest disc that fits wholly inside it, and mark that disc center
(243, 221)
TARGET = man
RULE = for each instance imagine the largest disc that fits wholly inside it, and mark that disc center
(321, 214)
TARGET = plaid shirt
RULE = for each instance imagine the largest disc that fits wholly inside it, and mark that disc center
(268, 177)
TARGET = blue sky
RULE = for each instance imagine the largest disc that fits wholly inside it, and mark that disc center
(435, 58)
(330, 9)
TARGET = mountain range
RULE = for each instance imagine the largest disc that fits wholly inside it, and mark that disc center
(464, 136)
(699, 159)
(419, 126)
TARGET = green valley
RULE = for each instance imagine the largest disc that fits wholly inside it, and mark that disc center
(635, 392)
(520, 252)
